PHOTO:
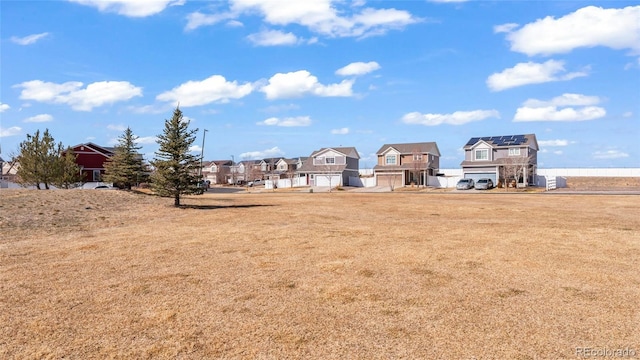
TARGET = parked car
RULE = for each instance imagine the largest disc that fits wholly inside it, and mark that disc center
(464, 184)
(256, 182)
(104, 187)
(484, 184)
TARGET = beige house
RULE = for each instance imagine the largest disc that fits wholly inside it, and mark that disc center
(405, 164)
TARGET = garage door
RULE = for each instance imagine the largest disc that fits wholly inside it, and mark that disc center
(323, 180)
(389, 180)
(478, 176)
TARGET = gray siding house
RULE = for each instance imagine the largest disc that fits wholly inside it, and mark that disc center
(331, 166)
(508, 158)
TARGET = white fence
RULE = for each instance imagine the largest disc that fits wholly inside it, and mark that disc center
(362, 181)
(591, 172)
(566, 172)
(443, 181)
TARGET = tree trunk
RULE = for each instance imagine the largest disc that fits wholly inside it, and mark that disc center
(176, 200)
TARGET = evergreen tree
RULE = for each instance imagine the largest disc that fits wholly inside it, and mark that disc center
(125, 168)
(67, 170)
(38, 160)
(176, 169)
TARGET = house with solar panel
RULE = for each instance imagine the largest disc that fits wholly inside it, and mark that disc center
(509, 159)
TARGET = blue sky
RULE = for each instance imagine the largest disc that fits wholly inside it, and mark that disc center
(284, 78)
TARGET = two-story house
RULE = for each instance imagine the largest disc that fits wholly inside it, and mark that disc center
(91, 159)
(331, 166)
(501, 158)
(405, 164)
(217, 171)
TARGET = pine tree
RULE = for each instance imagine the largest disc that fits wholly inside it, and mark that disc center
(67, 170)
(38, 160)
(125, 168)
(176, 169)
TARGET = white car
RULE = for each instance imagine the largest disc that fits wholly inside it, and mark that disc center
(464, 184)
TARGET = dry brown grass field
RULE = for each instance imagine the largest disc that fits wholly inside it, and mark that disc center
(90, 274)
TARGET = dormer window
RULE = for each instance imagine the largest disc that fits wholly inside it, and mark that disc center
(329, 160)
(481, 154)
(514, 151)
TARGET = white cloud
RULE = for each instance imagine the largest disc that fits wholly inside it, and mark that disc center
(341, 131)
(287, 122)
(567, 99)
(505, 28)
(627, 114)
(12, 131)
(30, 39)
(558, 152)
(71, 93)
(131, 8)
(147, 140)
(531, 73)
(4, 107)
(558, 142)
(588, 27)
(567, 107)
(319, 16)
(213, 89)
(609, 154)
(273, 38)
(116, 127)
(151, 109)
(273, 152)
(198, 19)
(195, 148)
(358, 68)
(300, 83)
(457, 118)
(39, 118)
(552, 113)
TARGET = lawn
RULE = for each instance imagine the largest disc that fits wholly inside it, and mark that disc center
(90, 274)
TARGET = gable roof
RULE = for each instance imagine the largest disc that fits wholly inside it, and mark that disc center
(346, 151)
(410, 148)
(104, 150)
(505, 141)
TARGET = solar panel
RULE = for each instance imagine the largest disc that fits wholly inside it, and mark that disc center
(486, 138)
(473, 141)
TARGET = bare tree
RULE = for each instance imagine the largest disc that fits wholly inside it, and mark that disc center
(417, 166)
(514, 169)
(291, 173)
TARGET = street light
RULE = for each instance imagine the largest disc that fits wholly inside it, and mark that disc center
(204, 133)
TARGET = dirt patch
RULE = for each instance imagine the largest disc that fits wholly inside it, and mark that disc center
(603, 183)
(109, 274)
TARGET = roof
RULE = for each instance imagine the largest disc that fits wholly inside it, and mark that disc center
(105, 150)
(505, 141)
(308, 166)
(410, 148)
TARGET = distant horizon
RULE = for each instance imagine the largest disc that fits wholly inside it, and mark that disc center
(284, 81)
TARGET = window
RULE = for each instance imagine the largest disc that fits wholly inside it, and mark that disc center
(514, 152)
(482, 154)
(417, 157)
(96, 175)
(390, 159)
(329, 160)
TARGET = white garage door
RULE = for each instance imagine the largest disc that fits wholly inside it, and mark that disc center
(323, 180)
(478, 176)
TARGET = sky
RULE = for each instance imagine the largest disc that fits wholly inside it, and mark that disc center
(271, 78)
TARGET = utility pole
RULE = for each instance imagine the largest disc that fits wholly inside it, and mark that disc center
(204, 133)
(233, 170)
